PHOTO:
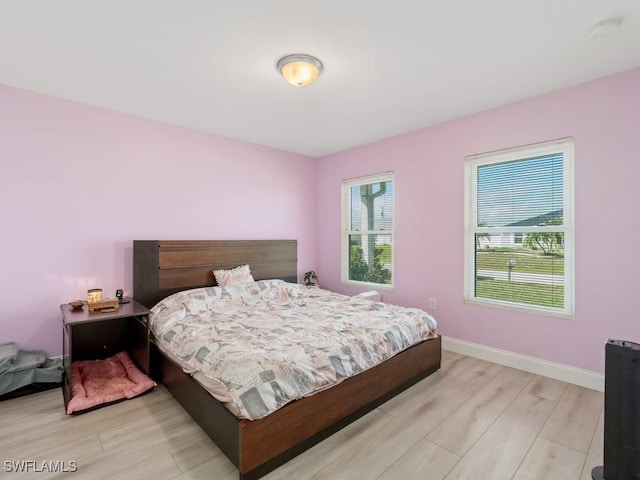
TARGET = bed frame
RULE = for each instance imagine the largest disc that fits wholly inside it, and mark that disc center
(258, 446)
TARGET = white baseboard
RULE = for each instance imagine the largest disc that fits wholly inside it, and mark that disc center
(565, 373)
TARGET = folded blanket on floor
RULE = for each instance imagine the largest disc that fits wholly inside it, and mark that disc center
(96, 382)
(8, 354)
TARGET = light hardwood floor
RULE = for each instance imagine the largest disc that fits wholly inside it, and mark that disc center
(471, 420)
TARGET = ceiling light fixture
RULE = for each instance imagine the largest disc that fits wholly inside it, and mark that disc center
(300, 70)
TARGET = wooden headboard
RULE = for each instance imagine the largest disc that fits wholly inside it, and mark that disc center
(163, 267)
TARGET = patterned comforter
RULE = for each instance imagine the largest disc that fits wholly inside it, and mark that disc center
(272, 342)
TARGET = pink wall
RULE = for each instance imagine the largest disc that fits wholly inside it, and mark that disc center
(604, 118)
(161, 181)
(78, 184)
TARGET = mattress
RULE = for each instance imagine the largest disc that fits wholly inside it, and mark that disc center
(260, 346)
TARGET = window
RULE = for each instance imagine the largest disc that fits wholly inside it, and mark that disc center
(519, 228)
(367, 230)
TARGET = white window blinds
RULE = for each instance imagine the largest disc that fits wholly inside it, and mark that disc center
(367, 232)
(519, 228)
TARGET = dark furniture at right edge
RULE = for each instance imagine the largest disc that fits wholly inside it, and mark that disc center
(621, 450)
(259, 446)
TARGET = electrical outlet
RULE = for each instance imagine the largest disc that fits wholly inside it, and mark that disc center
(433, 305)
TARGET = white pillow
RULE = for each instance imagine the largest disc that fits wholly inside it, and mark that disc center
(236, 276)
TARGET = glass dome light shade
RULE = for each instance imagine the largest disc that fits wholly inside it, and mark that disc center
(300, 70)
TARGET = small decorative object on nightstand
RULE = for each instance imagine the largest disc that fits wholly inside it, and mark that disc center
(120, 296)
(94, 295)
(310, 279)
(96, 302)
(76, 305)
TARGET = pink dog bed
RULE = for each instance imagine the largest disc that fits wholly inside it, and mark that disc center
(97, 382)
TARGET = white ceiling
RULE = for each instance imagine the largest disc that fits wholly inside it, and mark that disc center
(389, 66)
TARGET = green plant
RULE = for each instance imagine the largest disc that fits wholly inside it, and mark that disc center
(547, 242)
(361, 271)
(310, 278)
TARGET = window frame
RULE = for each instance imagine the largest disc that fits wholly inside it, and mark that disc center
(565, 146)
(346, 230)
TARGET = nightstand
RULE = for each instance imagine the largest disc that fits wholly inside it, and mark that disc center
(96, 335)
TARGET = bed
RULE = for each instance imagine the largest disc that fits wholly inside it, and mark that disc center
(162, 268)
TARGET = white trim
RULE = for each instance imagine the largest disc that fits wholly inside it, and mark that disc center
(558, 371)
(518, 307)
(364, 179)
(346, 231)
(516, 153)
(565, 146)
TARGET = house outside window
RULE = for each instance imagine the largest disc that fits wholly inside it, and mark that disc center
(367, 231)
(519, 234)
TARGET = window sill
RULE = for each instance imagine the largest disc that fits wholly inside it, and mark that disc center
(369, 286)
(543, 312)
